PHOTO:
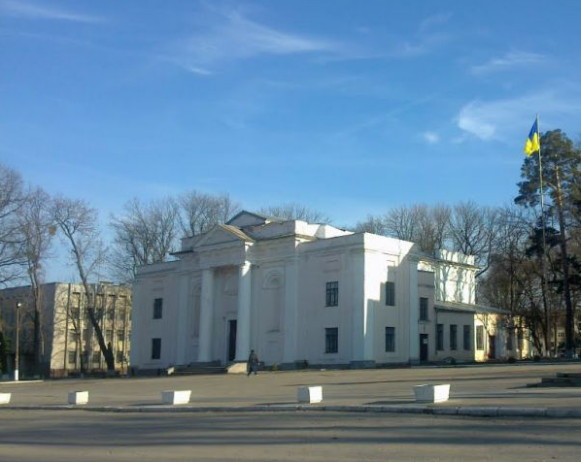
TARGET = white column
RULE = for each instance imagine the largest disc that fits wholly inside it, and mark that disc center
(290, 325)
(181, 320)
(244, 315)
(359, 320)
(206, 313)
(414, 310)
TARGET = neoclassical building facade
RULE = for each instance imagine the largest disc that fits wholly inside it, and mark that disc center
(301, 293)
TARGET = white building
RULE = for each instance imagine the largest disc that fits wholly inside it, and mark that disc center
(300, 293)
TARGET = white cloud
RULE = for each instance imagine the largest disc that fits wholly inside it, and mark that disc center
(22, 9)
(233, 37)
(502, 119)
(509, 60)
(431, 137)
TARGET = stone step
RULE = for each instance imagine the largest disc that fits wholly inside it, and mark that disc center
(199, 370)
(570, 375)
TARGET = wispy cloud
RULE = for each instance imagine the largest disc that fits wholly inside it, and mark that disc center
(28, 10)
(233, 37)
(431, 137)
(500, 119)
(508, 61)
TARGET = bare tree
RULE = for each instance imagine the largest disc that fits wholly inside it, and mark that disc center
(12, 199)
(403, 223)
(145, 234)
(427, 226)
(37, 229)
(199, 211)
(472, 231)
(372, 224)
(77, 222)
(294, 211)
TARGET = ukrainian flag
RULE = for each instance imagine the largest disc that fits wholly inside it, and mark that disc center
(533, 143)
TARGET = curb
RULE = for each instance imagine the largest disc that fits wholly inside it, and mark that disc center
(468, 411)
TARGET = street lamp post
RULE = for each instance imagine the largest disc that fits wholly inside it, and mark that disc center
(17, 352)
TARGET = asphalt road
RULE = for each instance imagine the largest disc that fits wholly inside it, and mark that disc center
(298, 436)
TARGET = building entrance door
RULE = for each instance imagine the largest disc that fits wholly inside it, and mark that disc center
(423, 347)
(491, 346)
(232, 339)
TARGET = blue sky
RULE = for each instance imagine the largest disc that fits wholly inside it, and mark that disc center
(348, 107)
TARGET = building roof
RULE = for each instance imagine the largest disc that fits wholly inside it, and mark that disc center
(468, 308)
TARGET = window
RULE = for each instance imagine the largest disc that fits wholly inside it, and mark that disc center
(155, 348)
(157, 308)
(453, 337)
(520, 339)
(467, 337)
(390, 293)
(423, 309)
(332, 294)
(480, 337)
(439, 337)
(96, 356)
(331, 340)
(72, 357)
(509, 340)
(390, 339)
(119, 357)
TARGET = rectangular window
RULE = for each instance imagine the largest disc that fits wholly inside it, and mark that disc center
(423, 309)
(96, 356)
(331, 340)
(157, 308)
(390, 293)
(72, 357)
(520, 339)
(119, 357)
(467, 337)
(453, 337)
(439, 337)
(480, 337)
(155, 348)
(332, 294)
(390, 339)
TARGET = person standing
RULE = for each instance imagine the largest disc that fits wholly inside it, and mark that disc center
(252, 365)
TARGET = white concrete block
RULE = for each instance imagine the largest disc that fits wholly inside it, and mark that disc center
(176, 396)
(78, 397)
(5, 398)
(310, 394)
(432, 393)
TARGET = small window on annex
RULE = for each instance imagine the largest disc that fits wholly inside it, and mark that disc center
(439, 337)
(155, 348)
(390, 293)
(332, 293)
(480, 337)
(467, 337)
(331, 340)
(390, 339)
(157, 308)
(453, 337)
(423, 308)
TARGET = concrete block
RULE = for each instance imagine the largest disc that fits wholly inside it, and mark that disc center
(78, 397)
(432, 393)
(176, 396)
(310, 394)
(5, 398)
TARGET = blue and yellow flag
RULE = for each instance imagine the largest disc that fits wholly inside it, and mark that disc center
(533, 143)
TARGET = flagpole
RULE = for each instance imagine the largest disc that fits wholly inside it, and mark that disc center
(544, 243)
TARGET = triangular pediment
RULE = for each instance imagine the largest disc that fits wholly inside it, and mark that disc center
(222, 234)
(245, 218)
